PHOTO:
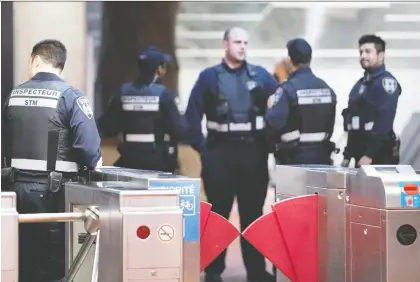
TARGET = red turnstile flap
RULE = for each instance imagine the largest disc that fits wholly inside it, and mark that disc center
(217, 235)
(298, 221)
(264, 234)
(205, 209)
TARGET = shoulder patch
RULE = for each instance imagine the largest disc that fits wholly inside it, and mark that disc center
(84, 105)
(277, 95)
(390, 85)
(179, 105)
(177, 101)
(251, 84)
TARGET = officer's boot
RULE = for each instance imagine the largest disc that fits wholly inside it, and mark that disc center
(265, 277)
(212, 277)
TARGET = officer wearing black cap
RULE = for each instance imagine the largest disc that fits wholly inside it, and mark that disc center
(146, 113)
(49, 134)
(301, 117)
(233, 95)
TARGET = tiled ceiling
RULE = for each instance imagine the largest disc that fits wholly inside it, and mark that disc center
(331, 25)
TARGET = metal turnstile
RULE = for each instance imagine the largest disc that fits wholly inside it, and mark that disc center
(189, 190)
(10, 234)
(330, 183)
(134, 222)
(383, 221)
(9, 238)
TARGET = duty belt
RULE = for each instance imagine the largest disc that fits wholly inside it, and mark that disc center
(144, 138)
(41, 165)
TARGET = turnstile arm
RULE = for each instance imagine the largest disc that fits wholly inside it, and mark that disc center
(52, 217)
(80, 258)
(92, 229)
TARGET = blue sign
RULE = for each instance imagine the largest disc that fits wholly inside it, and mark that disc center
(411, 200)
(189, 203)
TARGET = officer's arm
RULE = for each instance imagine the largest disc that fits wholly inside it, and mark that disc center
(108, 123)
(269, 82)
(277, 116)
(331, 121)
(194, 114)
(348, 152)
(78, 115)
(176, 124)
(383, 125)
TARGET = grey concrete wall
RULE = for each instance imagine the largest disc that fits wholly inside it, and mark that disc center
(65, 21)
(6, 49)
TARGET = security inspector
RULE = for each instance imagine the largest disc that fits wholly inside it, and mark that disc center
(233, 95)
(49, 136)
(146, 113)
(371, 110)
(301, 118)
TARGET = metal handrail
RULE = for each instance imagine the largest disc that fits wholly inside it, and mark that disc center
(52, 217)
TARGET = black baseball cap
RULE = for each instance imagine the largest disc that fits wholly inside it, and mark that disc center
(299, 51)
(154, 57)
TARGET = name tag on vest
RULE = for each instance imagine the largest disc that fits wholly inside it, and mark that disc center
(140, 103)
(314, 96)
(31, 97)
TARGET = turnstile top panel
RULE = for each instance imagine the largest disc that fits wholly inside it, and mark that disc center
(118, 185)
(88, 190)
(330, 178)
(119, 195)
(121, 169)
(383, 186)
(123, 174)
(293, 180)
(128, 175)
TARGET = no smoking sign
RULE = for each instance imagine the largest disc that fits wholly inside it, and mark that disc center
(166, 233)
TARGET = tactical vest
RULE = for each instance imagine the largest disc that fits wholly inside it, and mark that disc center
(314, 110)
(141, 115)
(239, 105)
(361, 113)
(36, 137)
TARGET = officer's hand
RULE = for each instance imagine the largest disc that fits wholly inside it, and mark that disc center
(365, 161)
(99, 164)
(270, 101)
(345, 163)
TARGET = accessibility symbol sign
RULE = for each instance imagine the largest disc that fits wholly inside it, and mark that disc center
(166, 233)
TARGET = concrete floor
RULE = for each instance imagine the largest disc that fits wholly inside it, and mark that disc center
(235, 271)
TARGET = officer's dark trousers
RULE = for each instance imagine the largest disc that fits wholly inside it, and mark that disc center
(240, 171)
(145, 161)
(41, 245)
(311, 155)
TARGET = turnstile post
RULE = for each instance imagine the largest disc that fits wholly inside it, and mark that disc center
(9, 238)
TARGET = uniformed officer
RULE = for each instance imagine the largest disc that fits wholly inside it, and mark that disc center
(50, 134)
(302, 112)
(371, 110)
(233, 96)
(146, 113)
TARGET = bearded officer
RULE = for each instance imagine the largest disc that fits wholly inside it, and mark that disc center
(233, 96)
(146, 113)
(301, 117)
(50, 134)
(371, 110)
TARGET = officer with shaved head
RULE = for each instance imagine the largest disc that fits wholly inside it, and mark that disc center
(233, 95)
